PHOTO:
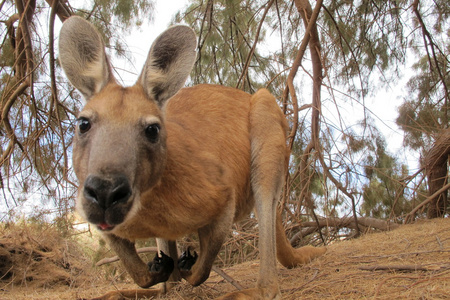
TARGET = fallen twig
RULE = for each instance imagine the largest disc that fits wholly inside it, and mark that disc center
(227, 278)
(398, 254)
(116, 258)
(402, 268)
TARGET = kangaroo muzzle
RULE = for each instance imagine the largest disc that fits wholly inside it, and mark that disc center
(107, 200)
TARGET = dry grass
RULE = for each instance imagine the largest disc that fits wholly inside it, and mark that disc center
(347, 271)
(35, 257)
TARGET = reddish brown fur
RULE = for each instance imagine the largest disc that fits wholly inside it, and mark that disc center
(180, 207)
(218, 152)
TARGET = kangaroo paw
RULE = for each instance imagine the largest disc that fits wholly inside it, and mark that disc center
(163, 265)
(187, 260)
(185, 263)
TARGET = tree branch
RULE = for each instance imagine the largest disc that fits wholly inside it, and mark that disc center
(403, 268)
(62, 10)
(427, 36)
(290, 89)
(410, 216)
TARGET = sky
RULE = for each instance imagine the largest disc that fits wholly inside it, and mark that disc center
(140, 40)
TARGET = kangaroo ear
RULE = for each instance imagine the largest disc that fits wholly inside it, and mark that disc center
(82, 56)
(169, 63)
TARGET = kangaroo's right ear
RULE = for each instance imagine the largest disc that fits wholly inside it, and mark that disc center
(82, 56)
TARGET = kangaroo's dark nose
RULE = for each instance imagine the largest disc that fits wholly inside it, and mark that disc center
(107, 192)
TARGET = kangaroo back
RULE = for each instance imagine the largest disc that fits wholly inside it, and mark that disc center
(156, 161)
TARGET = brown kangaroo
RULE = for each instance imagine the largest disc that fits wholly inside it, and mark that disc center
(156, 161)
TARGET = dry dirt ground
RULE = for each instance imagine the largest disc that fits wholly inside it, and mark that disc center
(411, 262)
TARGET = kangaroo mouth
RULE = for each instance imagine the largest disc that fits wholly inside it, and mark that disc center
(106, 201)
(105, 226)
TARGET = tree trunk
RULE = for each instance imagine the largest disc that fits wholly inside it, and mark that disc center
(306, 12)
(436, 170)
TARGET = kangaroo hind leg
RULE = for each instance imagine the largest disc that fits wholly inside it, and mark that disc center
(268, 145)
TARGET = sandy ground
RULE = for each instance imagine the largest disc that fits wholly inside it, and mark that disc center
(411, 262)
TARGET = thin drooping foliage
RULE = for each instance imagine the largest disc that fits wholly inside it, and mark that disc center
(38, 106)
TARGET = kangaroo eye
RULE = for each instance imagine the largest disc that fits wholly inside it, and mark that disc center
(152, 132)
(84, 125)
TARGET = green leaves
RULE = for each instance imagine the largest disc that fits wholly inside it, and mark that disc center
(362, 38)
(226, 33)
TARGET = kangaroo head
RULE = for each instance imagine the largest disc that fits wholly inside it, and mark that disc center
(119, 147)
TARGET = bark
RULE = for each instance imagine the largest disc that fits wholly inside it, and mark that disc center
(436, 170)
(62, 10)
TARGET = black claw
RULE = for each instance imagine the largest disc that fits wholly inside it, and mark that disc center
(162, 264)
(187, 260)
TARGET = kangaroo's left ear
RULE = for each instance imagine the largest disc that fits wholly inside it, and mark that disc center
(169, 62)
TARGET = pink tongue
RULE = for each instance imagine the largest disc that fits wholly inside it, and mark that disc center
(104, 226)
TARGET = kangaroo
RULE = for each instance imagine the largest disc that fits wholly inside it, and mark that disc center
(158, 160)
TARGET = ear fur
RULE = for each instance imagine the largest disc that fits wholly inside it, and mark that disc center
(82, 56)
(169, 62)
